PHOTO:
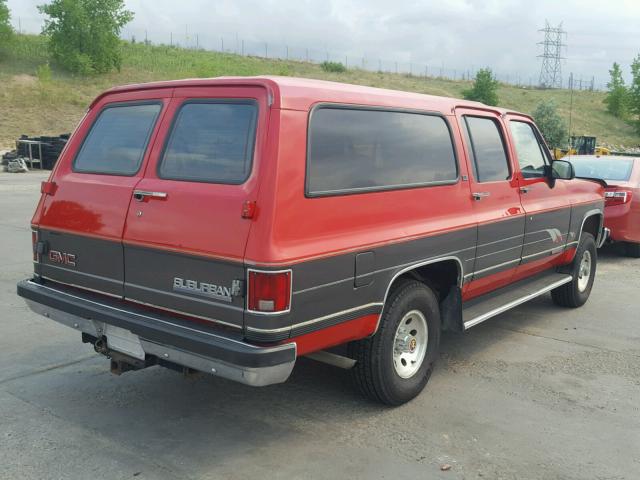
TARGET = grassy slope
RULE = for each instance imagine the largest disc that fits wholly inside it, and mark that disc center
(32, 107)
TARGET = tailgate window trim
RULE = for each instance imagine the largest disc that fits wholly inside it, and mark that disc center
(250, 147)
(147, 142)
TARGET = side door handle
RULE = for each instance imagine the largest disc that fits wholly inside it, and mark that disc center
(525, 189)
(140, 195)
(480, 195)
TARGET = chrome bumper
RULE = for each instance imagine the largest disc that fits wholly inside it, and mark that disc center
(168, 339)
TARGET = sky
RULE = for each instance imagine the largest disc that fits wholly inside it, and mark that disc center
(453, 35)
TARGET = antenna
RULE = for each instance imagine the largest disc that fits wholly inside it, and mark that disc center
(551, 71)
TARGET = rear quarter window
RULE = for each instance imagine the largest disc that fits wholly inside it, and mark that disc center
(353, 150)
(117, 140)
(211, 141)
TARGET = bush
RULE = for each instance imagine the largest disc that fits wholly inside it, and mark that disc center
(484, 88)
(552, 126)
(84, 34)
(617, 98)
(634, 93)
(334, 67)
(6, 32)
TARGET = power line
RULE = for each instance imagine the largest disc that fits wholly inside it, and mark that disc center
(551, 70)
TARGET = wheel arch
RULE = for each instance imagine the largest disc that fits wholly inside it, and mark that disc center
(592, 223)
(440, 274)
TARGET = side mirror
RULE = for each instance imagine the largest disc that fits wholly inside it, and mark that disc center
(563, 170)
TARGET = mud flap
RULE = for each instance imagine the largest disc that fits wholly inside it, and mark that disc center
(451, 311)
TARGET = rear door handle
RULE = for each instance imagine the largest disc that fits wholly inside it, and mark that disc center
(480, 195)
(140, 195)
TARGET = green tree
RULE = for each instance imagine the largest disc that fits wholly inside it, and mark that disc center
(550, 123)
(6, 31)
(84, 34)
(617, 94)
(634, 92)
(484, 88)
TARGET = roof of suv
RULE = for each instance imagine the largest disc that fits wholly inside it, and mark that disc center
(300, 93)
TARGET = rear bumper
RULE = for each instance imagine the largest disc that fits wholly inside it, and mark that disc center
(180, 342)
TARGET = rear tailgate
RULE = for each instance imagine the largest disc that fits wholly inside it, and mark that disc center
(185, 236)
(80, 221)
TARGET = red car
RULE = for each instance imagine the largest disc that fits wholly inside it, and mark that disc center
(232, 225)
(622, 195)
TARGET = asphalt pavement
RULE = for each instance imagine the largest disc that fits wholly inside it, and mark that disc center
(539, 392)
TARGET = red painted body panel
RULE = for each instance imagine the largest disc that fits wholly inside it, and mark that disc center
(198, 218)
(93, 205)
(299, 228)
(336, 335)
(502, 203)
(624, 220)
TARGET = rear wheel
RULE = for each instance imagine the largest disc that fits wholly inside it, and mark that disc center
(583, 270)
(395, 364)
(632, 249)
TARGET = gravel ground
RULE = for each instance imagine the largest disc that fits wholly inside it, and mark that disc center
(536, 393)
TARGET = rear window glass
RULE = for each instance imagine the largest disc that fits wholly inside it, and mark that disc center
(211, 142)
(612, 169)
(488, 154)
(117, 140)
(353, 150)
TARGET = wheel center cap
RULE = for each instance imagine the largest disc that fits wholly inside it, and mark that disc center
(412, 344)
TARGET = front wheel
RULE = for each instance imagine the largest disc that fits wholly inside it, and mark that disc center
(583, 270)
(394, 365)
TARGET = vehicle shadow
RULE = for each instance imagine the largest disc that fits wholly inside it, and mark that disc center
(202, 417)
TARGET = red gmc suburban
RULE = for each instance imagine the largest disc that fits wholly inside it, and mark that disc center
(231, 225)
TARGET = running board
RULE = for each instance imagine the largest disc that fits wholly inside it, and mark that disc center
(478, 310)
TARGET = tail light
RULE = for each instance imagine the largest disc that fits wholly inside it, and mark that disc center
(34, 245)
(269, 292)
(617, 197)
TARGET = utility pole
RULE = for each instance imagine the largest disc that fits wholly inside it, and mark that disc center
(570, 103)
(551, 70)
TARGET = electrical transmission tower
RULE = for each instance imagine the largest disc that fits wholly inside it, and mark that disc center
(551, 71)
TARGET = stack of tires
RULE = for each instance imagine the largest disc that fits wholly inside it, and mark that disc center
(51, 149)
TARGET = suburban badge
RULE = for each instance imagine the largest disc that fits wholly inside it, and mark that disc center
(194, 287)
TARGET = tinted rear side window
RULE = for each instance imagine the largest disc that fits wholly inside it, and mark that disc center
(489, 158)
(353, 150)
(117, 140)
(211, 142)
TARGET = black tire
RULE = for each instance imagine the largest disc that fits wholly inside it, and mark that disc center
(632, 250)
(570, 295)
(374, 373)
